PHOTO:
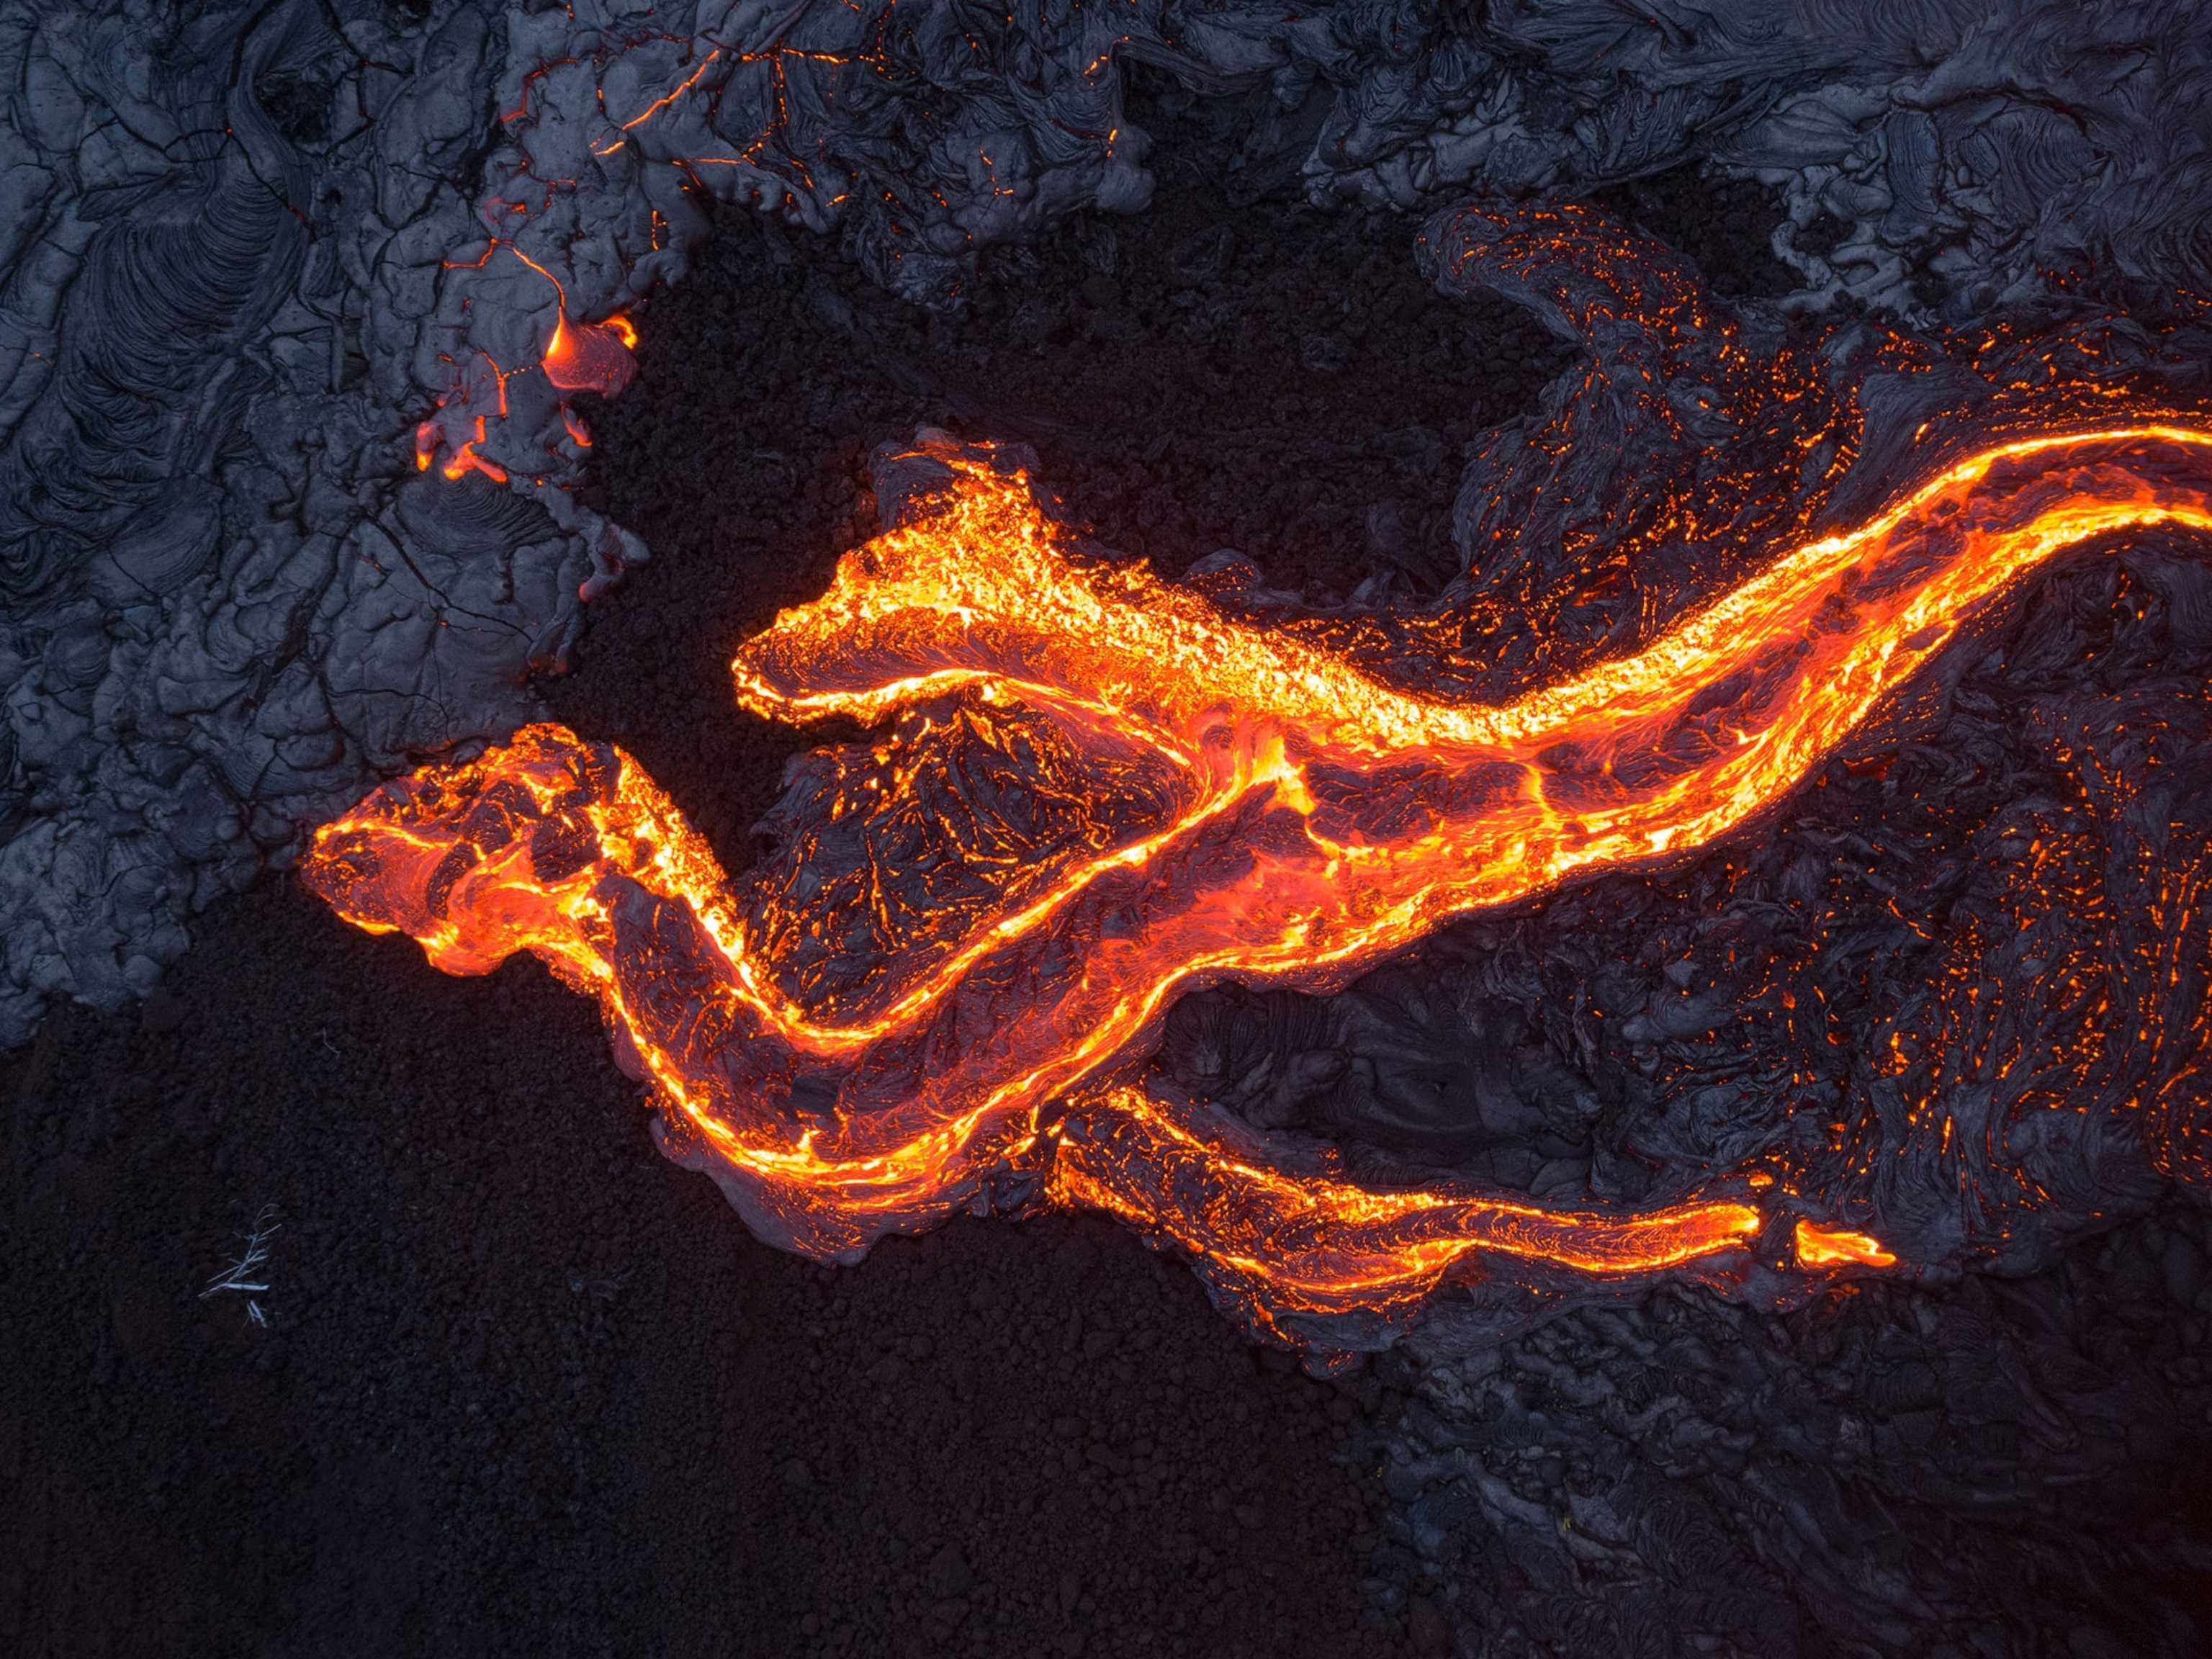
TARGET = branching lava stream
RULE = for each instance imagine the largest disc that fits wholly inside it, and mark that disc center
(933, 1001)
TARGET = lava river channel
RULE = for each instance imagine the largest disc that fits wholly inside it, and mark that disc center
(1091, 789)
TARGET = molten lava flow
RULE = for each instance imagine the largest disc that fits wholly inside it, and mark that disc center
(1102, 789)
(591, 356)
(1311, 1242)
(1830, 1246)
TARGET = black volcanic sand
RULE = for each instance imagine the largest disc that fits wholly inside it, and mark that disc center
(526, 1388)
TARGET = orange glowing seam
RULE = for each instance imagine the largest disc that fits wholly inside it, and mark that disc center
(1323, 818)
(663, 100)
(464, 458)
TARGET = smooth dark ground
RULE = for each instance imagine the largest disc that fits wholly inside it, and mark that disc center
(526, 1388)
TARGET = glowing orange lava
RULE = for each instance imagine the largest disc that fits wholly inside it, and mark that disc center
(1311, 1242)
(591, 356)
(1830, 1246)
(1100, 789)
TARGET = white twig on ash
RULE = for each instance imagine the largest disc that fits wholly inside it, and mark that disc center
(243, 1275)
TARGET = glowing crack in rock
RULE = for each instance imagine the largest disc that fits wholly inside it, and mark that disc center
(1098, 789)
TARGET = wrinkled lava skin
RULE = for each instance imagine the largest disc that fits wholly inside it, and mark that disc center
(1097, 789)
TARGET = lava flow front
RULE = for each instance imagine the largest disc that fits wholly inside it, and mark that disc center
(1096, 789)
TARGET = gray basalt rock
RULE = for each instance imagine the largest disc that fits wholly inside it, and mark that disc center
(1894, 1472)
(230, 599)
